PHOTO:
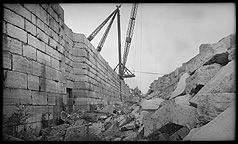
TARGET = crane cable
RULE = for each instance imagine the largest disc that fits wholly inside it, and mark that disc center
(140, 44)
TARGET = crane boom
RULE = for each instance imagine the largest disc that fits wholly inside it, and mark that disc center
(95, 32)
(130, 32)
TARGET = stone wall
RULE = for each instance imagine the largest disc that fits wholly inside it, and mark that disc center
(44, 61)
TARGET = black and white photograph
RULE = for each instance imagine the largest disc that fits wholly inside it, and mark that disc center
(119, 71)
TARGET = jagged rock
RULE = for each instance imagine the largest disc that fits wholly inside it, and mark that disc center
(128, 126)
(171, 112)
(222, 82)
(183, 100)
(143, 116)
(201, 76)
(191, 133)
(151, 104)
(130, 136)
(211, 105)
(180, 134)
(232, 53)
(220, 128)
(180, 86)
(108, 109)
(76, 133)
(96, 128)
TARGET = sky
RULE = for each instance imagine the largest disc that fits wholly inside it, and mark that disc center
(165, 34)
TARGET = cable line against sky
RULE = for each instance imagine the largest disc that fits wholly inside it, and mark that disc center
(150, 73)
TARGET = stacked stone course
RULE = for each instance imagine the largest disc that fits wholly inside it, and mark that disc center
(42, 57)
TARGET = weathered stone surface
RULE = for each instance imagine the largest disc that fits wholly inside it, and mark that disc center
(222, 82)
(76, 133)
(191, 133)
(130, 137)
(220, 128)
(183, 100)
(151, 104)
(181, 85)
(201, 76)
(211, 105)
(174, 113)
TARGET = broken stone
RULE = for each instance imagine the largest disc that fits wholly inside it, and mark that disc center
(108, 109)
(64, 116)
(129, 126)
(180, 134)
(220, 128)
(211, 105)
(151, 104)
(180, 86)
(222, 82)
(76, 133)
(183, 100)
(130, 137)
(201, 76)
(191, 133)
(170, 112)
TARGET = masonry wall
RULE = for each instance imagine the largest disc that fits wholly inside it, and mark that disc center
(42, 57)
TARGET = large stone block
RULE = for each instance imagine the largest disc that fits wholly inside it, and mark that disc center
(41, 35)
(210, 105)
(17, 33)
(13, 96)
(33, 82)
(201, 76)
(35, 42)
(80, 93)
(19, 9)
(222, 82)
(30, 27)
(151, 104)
(7, 60)
(22, 64)
(180, 86)
(29, 51)
(15, 80)
(52, 52)
(13, 18)
(43, 58)
(39, 98)
(222, 128)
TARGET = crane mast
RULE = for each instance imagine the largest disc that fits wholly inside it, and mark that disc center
(130, 32)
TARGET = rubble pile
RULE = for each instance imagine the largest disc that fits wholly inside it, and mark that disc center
(195, 102)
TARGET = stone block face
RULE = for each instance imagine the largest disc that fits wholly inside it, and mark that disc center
(15, 80)
(29, 27)
(39, 98)
(51, 99)
(52, 52)
(13, 18)
(17, 33)
(38, 69)
(12, 45)
(7, 60)
(29, 51)
(22, 64)
(19, 10)
(35, 42)
(13, 96)
(33, 82)
(41, 35)
(40, 24)
(43, 58)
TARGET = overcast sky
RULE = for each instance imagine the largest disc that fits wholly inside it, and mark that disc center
(165, 35)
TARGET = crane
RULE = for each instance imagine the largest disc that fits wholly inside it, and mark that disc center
(123, 72)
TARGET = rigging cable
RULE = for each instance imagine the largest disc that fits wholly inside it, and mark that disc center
(140, 43)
